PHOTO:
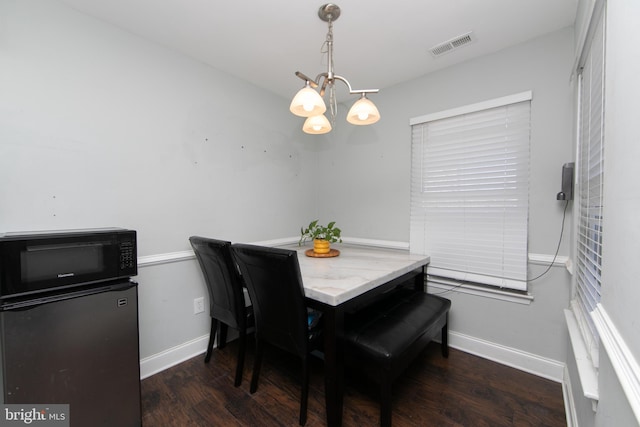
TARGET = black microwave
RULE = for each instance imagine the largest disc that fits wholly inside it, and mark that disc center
(41, 261)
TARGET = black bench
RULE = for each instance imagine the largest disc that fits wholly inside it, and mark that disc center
(383, 339)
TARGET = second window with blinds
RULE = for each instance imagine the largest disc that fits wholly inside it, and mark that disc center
(470, 192)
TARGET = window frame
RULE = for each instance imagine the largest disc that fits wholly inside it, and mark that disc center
(469, 277)
(583, 289)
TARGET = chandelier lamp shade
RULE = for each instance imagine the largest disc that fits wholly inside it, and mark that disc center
(309, 101)
(363, 112)
(317, 125)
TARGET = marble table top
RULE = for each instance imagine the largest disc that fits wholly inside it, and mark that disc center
(355, 271)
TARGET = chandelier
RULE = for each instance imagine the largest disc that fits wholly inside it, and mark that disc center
(309, 102)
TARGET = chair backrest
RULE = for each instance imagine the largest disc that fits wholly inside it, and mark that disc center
(273, 278)
(226, 296)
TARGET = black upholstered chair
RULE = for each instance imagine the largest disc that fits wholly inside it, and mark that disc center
(226, 296)
(272, 276)
(383, 339)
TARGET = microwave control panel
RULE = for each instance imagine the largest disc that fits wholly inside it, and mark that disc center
(128, 259)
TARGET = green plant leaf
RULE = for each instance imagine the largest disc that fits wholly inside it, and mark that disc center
(315, 231)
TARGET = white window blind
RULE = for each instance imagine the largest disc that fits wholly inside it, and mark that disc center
(469, 191)
(589, 173)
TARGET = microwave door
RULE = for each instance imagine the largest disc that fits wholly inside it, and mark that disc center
(55, 262)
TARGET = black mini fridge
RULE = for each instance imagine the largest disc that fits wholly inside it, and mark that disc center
(78, 348)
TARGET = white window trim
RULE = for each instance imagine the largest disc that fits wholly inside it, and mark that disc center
(441, 285)
(585, 352)
(472, 108)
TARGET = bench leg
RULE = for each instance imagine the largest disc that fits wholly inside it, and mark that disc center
(385, 403)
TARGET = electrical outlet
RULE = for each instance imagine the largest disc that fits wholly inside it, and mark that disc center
(198, 305)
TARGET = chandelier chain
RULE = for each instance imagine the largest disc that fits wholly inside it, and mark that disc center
(333, 102)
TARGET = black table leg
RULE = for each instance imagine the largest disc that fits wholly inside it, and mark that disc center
(333, 364)
(333, 329)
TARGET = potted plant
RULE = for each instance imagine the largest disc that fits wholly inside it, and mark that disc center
(322, 236)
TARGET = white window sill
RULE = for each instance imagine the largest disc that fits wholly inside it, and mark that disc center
(441, 285)
(586, 371)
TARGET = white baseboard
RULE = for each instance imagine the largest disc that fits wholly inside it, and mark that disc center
(522, 360)
(569, 403)
(515, 358)
(164, 360)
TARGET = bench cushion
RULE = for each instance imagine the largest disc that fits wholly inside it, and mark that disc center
(390, 333)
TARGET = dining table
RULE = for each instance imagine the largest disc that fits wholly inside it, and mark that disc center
(355, 276)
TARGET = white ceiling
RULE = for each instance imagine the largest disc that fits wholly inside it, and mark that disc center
(376, 45)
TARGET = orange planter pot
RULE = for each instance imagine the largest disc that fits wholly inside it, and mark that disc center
(321, 246)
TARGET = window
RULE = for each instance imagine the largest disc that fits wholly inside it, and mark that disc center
(469, 191)
(589, 180)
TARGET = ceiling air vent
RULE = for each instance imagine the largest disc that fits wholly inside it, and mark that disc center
(452, 44)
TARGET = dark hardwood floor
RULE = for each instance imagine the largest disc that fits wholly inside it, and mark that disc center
(463, 390)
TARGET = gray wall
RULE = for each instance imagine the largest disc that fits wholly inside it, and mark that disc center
(100, 128)
(368, 171)
(620, 269)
